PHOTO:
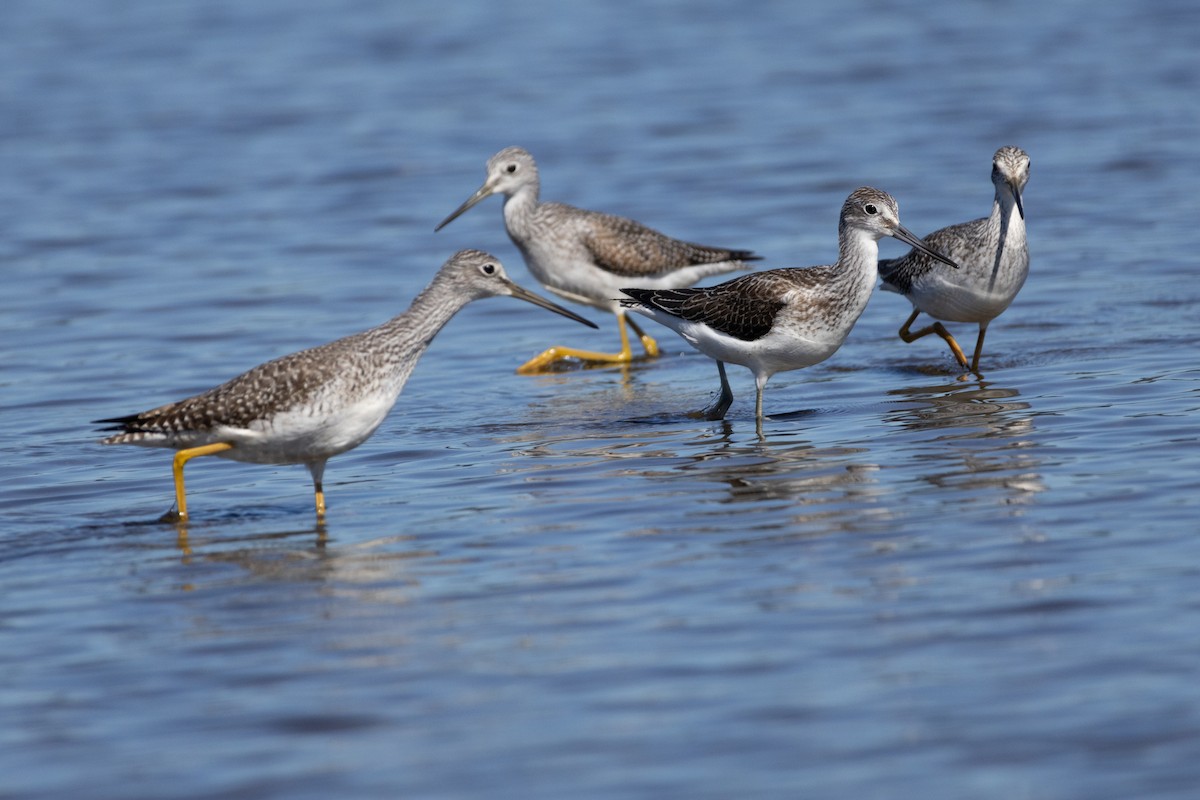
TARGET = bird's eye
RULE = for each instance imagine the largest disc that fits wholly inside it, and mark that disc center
(871, 209)
(488, 269)
(511, 168)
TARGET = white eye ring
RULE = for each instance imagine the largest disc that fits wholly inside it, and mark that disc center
(871, 209)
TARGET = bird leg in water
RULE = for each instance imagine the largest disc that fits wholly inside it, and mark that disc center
(539, 363)
(647, 341)
(181, 458)
(983, 326)
(717, 410)
(940, 330)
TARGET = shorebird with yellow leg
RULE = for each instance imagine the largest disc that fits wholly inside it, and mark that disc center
(994, 255)
(586, 256)
(783, 319)
(309, 406)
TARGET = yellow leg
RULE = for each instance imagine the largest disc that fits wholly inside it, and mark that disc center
(539, 363)
(317, 470)
(647, 342)
(983, 326)
(181, 458)
(937, 328)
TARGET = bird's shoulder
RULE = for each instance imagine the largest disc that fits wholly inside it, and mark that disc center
(626, 247)
(744, 307)
(958, 241)
(256, 394)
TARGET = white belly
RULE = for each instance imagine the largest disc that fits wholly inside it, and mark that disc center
(578, 279)
(300, 435)
(958, 302)
(775, 352)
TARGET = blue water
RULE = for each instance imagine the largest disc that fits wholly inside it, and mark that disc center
(562, 586)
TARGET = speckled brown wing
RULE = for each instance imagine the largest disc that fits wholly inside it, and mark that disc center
(744, 307)
(628, 248)
(254, 395)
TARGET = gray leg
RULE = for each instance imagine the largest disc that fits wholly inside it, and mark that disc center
(760, 383)
(758, 417)
(717, 410)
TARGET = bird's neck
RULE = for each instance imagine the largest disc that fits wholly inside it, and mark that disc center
(519, 208)
(1006, 224)
(406, 336)
(858, 259)
(858, 255)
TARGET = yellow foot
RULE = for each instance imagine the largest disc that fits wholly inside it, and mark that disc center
(959, 356)
(541, 363)
(648, 342)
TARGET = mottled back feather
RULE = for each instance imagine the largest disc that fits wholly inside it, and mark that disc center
(257, 394)
(626, 247)
(744, 307)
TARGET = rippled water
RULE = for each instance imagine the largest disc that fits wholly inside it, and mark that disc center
(913, 586)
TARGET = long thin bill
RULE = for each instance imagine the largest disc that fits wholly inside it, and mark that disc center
(483, 192)
(538, 300)
(905, 235)
(1017, 196)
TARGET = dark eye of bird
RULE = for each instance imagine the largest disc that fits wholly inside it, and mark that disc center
(870, 208)
(511, 168)
(489, 269)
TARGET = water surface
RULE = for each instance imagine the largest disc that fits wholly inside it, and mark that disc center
(536, 587)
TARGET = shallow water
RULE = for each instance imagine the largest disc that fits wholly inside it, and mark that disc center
(911, 586)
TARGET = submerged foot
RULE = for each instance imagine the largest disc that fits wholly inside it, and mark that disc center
(546, 361)
(714, 412)
(172, 515)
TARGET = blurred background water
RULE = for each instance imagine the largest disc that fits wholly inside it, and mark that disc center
(914, 586)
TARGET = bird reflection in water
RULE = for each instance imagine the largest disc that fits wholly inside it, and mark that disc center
(217, 538)
(785, 488)
(983, 438)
